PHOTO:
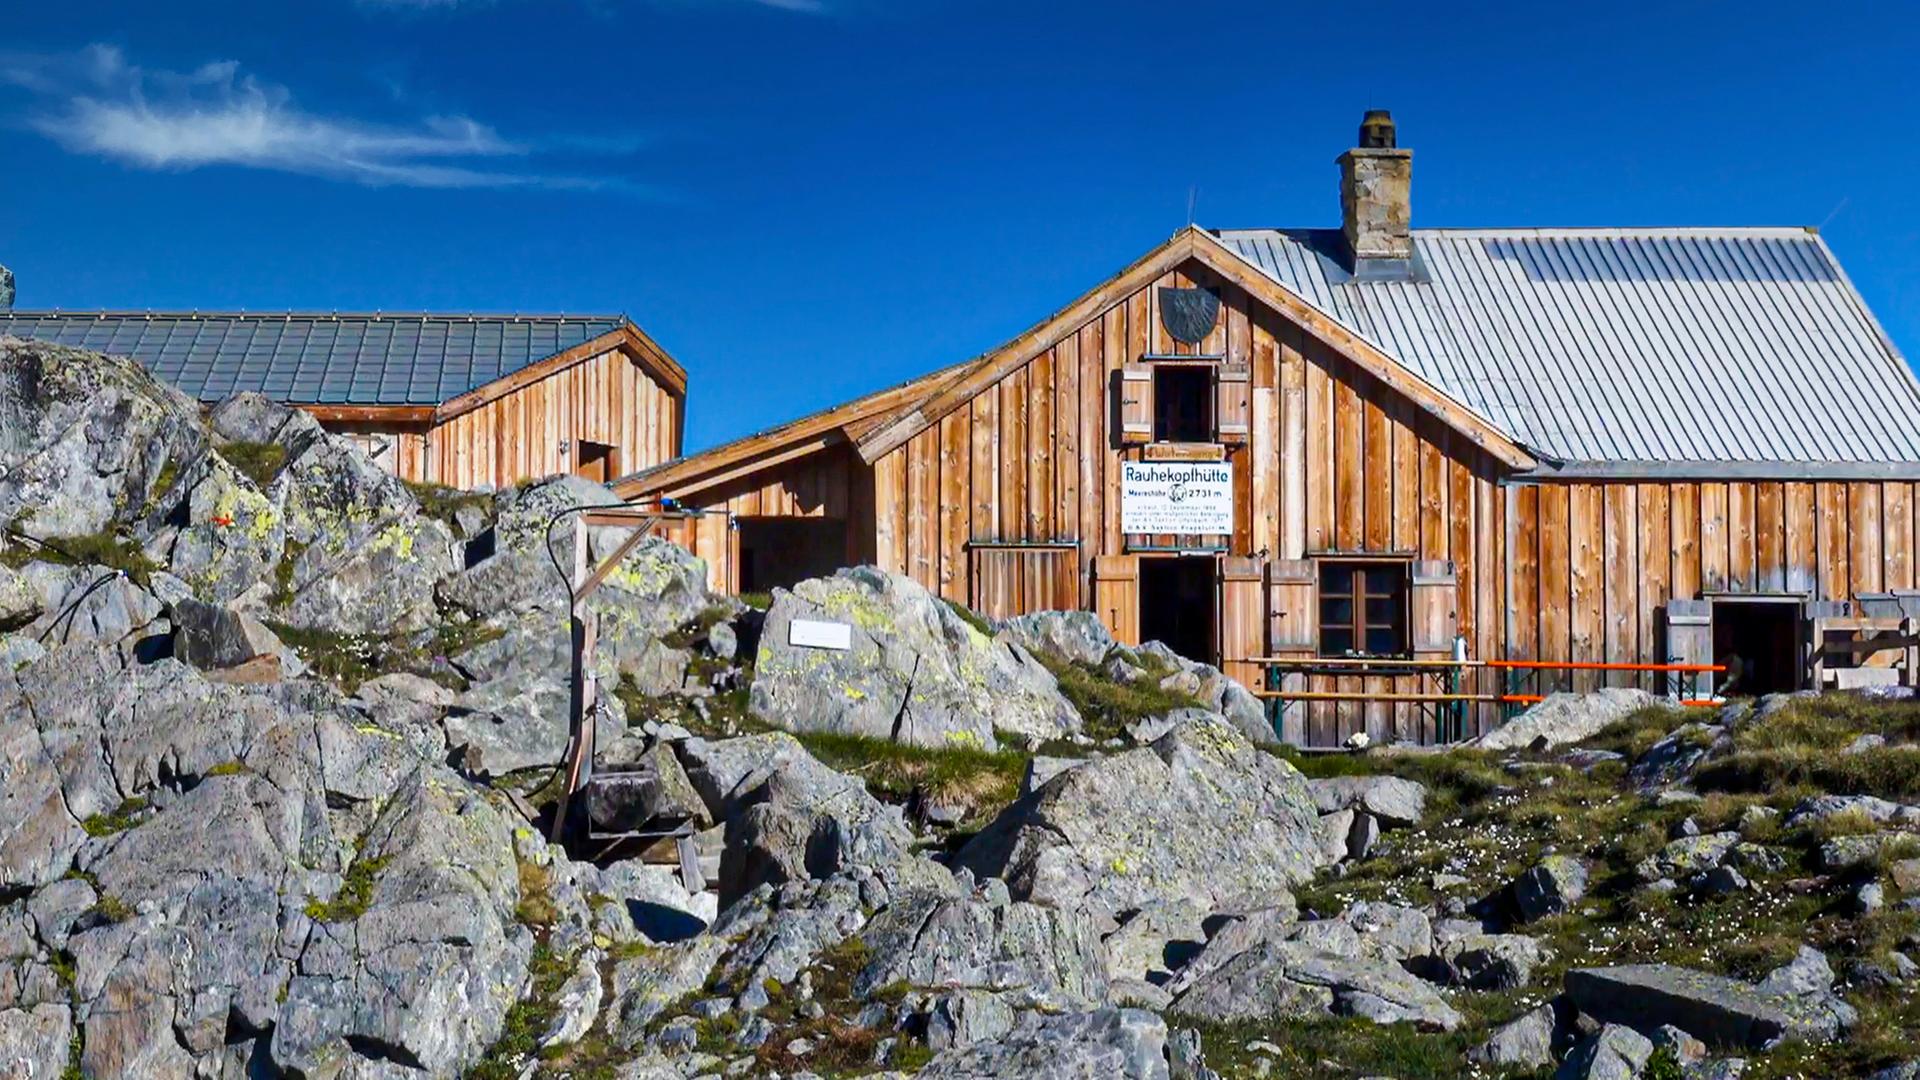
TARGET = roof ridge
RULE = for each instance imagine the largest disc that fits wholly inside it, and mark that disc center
(290, 314)
(1559, 230)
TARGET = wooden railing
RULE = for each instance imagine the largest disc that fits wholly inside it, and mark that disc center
(1445, 689)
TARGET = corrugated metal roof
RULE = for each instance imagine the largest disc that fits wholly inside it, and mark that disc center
(319, 359)
(1660, 347)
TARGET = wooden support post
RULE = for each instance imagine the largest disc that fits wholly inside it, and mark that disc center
(580, 700)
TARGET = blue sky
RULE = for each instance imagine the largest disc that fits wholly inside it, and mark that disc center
(806, 199)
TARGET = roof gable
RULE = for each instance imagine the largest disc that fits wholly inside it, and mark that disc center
(1190, 244)
(378, 360)
(1631, 350)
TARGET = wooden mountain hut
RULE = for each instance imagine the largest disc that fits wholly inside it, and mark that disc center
(461, 400)
(1326, 458)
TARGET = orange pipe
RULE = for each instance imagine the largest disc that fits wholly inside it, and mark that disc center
(1583, 665)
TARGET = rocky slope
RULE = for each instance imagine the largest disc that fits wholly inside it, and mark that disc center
(278, 735)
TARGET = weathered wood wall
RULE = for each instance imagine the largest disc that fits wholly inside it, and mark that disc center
(608, 398)
(832, 483)
(1595, 563)
(1011, 503)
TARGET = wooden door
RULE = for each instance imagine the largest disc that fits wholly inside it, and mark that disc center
(1116, 595)
(1243, 618)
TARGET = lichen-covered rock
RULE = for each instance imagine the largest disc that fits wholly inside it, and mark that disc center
(1525, 1042)
(1566, 718)
(18, 602)
(1077, 637)
(914, 672)
(1201, 816)
(1551, 886)
(1393, 800)
(789, 817)
(1052, 955)
(85, 439)
(368, 558)
(427, 972)
(1615, 1052)
(1292, 979)
(1795, 1002)
(647, 984)
(1122, 1044)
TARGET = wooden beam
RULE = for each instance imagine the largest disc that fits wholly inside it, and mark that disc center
(840, 418)
(799, 449)
(369, 414)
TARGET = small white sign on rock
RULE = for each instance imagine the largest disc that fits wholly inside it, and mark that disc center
(820, 634)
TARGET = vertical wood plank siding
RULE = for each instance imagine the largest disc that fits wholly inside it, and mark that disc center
(605, 399)
(1003, 500)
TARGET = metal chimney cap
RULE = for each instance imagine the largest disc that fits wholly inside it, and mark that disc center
(1376, 130)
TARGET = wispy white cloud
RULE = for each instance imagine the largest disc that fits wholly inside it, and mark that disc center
(95, 102)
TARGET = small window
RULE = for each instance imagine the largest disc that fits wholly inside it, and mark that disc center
(1363, 609)
(1182, 403)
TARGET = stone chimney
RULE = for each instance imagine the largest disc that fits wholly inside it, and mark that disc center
(6, 289)
(1376, 211)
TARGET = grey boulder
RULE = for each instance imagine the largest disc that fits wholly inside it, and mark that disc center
(1123, 1044)
(1567, 718)
(914, 671)
(1391, 799)
(1201, 816)
(1724, 1013)
(1615, 1052)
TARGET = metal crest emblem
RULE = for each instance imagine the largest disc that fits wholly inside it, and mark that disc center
(1189, 314)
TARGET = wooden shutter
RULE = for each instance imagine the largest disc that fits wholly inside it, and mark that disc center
(1243, 611)
(1433, 597)
(1008, 581)
(1291, 632)
(1133, 400)
(1290, 606)
(1116, 595)
(1232, 400)
(1690, 641)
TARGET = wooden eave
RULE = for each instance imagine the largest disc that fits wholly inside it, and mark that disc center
(369, 414)
(797, 438)
(628, 338)
(1191, 243)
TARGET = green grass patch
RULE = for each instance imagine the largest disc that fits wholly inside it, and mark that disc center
(970, 617)
(982, 781)
(111, 908)
(695, 630)
(1107, 707)
(445, 503)
(758, 601)
(110, 550)
(355, 895)
(260, 461)
(1801, 747)
(119, 820)
(1638, 731)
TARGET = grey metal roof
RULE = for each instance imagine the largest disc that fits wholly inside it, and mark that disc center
(1648, 349)
(322, 359)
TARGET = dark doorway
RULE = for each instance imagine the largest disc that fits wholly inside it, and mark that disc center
(1182, 403)
(779, 552)
(596, 461)
(1177, 599)
(1758, 641)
